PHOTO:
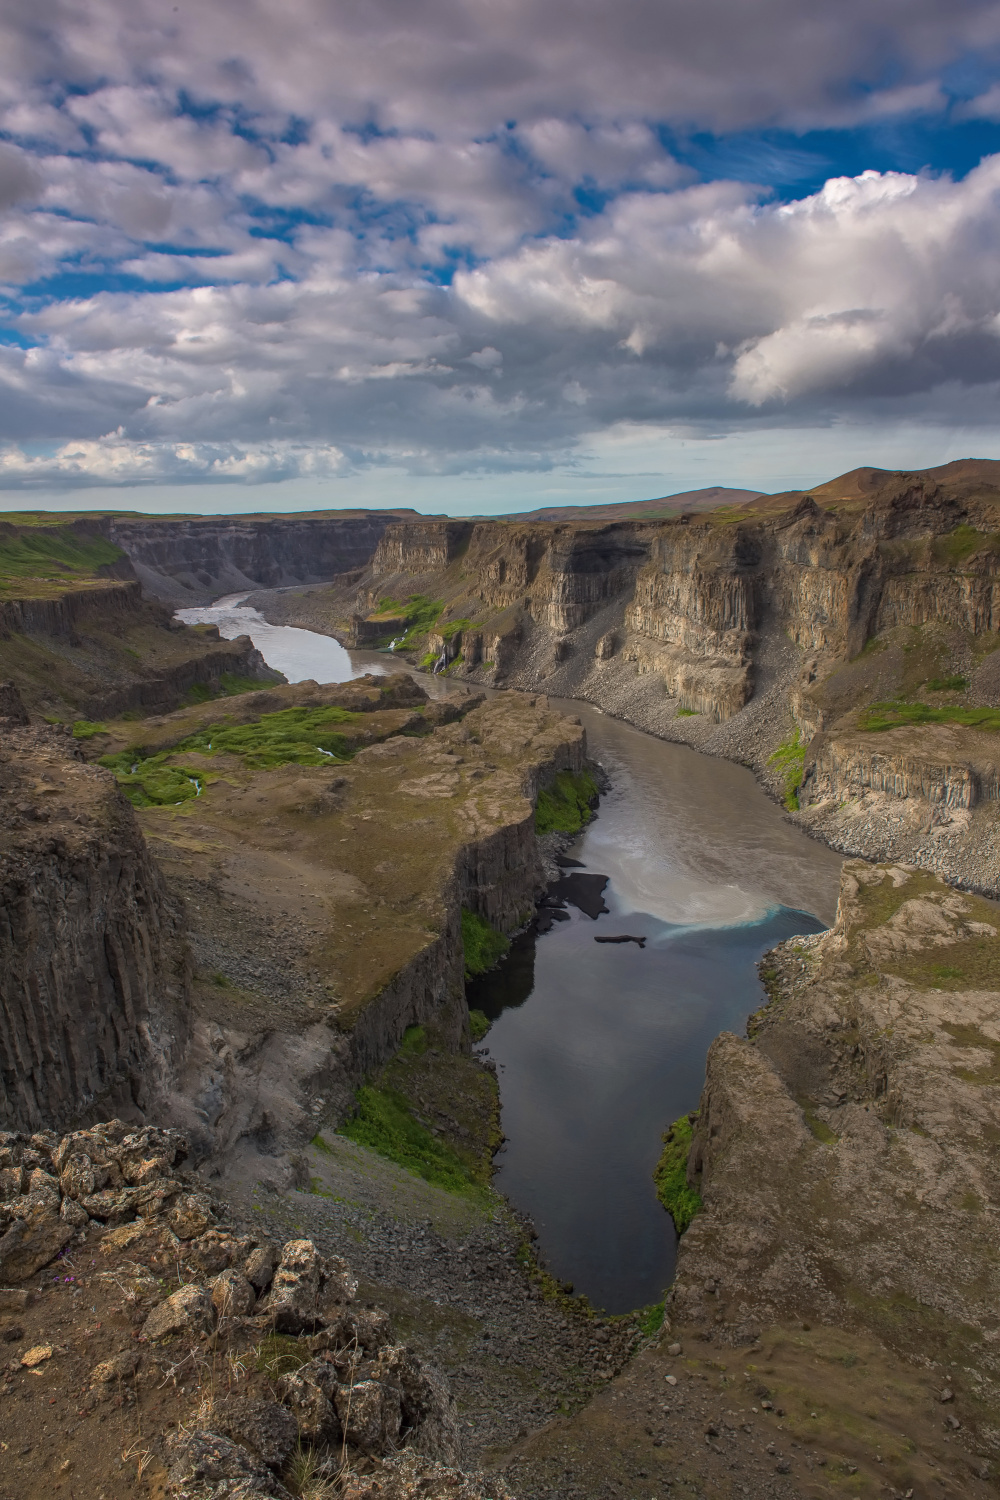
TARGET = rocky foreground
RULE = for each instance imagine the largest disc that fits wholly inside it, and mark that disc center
(148, 1342)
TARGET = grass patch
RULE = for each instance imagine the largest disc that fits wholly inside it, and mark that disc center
(896, 715)
(414, 1043)
(479, 1024)
(51, 554)
(564, 807)
(686, 713)
(484, 946)
(384, 1124)
(790, 761)
(299, 736)
(321, 1145)
(453, 627)
(280, 1354)
(819, 1128)
(947, 684)
(85, 729)
(962, 543)
(681, 1201)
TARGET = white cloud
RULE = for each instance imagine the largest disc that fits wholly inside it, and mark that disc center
(113, 460)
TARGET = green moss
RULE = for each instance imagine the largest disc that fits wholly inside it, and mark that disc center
(947, 684)
(385, 1124)
(280, 1354)
(681, 1201)
(686, 713)
(321, 1145)
(85, 729)
(479, 1024)
(790, 760)
(564, 807)
(894, 715)
(414, 1043)
(299, 736)
(651, 1319)
(453, 627)
(819, 1128)
(484, 946)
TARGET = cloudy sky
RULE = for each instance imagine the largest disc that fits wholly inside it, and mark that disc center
(487, 254)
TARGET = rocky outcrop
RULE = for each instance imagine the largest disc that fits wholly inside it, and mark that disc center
(943, 765)
(93, 977)
(845, 1150)
(60, 614)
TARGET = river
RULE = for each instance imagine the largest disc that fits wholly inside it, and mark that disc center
(598, 1046)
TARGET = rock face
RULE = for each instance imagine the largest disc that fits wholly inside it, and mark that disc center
(199, 558)
(845, 1152)
(93, 970)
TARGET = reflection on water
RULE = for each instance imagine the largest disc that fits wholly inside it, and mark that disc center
(599, 1049)
(600, 1046)
(300, 654)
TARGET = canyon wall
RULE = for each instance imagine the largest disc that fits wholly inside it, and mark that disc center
(93, 967)
(191, 560)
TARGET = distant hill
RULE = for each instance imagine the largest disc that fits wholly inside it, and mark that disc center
(688, 501)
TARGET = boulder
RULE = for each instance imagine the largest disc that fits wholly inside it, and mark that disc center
(190, 1215)
(32, 1241)
(310, 1394)
(206, 1466)
(119, 1367)
(292, 1304)
(260, 1266)
(232, 1295)
(429, 1412)
(370, 1414)
(188, 1311)
(267, 1429)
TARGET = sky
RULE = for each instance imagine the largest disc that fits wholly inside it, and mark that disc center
(485, 255)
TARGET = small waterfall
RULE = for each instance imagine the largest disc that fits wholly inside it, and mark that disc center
(441, 662)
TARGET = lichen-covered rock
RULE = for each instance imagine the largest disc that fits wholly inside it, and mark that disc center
(370, 1414)
(206, 1466)
(188, 1311)
(266, 1428)
(367, 1328)
(293, 1303)
(119, 1367)
(430, 1417)
(260, 1266)
(215, 1250)
(410, 1476)
(310, 1394)
(32, 1241)
(190, 1215)
(232, 1295)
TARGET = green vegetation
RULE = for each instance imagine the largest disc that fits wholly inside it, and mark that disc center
(414, 1043)
(150, 782)
(384, 1124)
(298, 736)
(419, 612)
(85, 729)
(279, 1354)
(790, 760)
(321, 1145)
(453, 627)
(947, 684)
(51, 554)
(681, 1201)
(479, 1024)
(819, 1128)
(651, 1319)
(896, 715)
(686, 713)
(564, 807)
(962, 543)
(484, 946)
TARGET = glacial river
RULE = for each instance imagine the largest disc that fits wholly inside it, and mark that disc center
(600, 1046)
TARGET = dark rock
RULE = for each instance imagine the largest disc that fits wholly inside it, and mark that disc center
(205, 1466)
(266, 1428)
(30, 1243)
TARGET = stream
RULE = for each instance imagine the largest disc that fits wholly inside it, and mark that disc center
(600, 1046)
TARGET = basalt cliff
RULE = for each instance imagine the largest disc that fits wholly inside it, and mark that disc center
(774, 631)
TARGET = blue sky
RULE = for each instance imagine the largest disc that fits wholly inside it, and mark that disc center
(482, 259)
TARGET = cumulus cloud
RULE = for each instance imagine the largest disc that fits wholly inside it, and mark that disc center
(113, 460)
(454, 235)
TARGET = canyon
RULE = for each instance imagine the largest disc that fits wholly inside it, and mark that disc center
(242, 911)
